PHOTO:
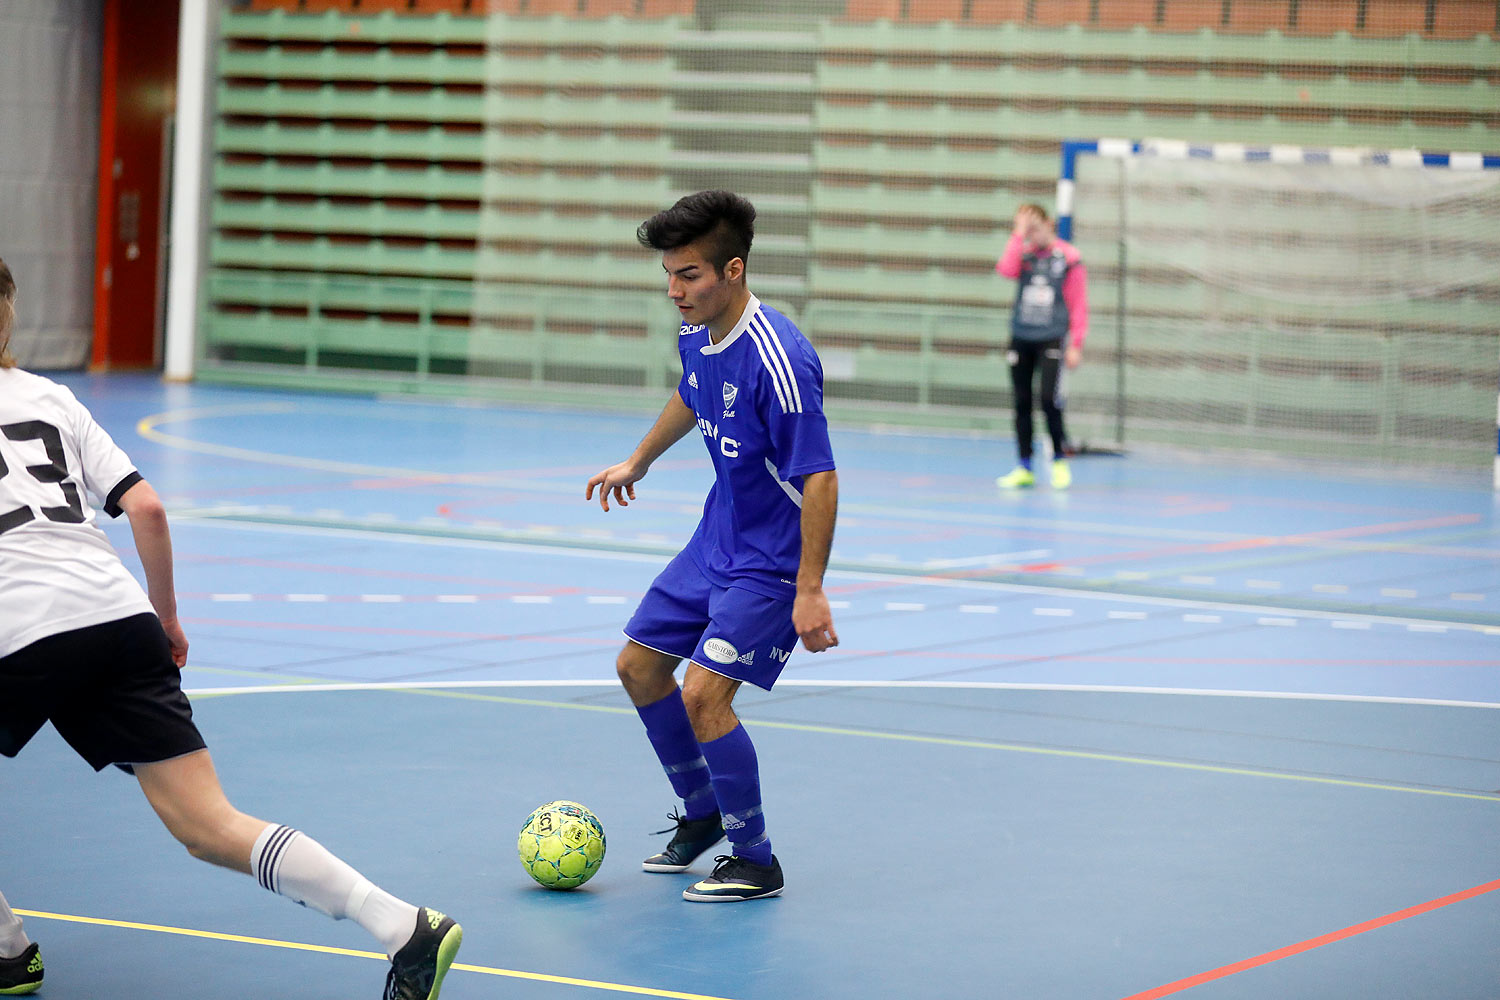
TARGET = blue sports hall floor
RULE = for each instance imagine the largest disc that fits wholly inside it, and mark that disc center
(1222, 731)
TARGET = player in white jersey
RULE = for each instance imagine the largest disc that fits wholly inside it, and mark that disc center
(82, 646)
(750, 581)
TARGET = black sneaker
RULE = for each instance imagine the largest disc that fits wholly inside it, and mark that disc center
(22, 974)
(418, 969)
(735, 880)
(690, 838)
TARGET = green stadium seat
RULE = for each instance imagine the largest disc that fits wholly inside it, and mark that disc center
(375, 180)
(373, 218)
(381, 65)
(325, 140)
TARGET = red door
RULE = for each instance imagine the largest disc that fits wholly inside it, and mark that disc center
(139, 84)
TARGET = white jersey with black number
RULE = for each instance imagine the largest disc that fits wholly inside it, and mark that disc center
(58, 571)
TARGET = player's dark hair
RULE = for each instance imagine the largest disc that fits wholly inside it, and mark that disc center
(7, 314)
(725, 218)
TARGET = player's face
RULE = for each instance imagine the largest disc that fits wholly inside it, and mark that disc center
(1038, 231)
(700, 293)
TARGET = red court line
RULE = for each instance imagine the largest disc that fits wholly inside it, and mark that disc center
(1311, 943)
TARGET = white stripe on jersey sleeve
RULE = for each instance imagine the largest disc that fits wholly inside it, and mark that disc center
(773, 357)
(791, 372)
(786, 487)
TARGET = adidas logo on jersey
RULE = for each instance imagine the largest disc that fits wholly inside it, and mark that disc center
(693, 379)
(748, 659)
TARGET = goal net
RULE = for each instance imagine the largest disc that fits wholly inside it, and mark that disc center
(1338, 304)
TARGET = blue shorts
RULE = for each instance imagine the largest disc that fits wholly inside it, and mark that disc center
(729, 630)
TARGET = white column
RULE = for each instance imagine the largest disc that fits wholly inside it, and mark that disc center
(194, 47)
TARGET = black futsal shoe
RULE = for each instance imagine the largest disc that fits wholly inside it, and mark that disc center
(735, 880)
(690, 838)
(22, 974)
(417, 970)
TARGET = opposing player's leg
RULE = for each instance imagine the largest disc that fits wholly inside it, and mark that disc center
(1023, 359)
(20, 958)
(186, 794)
(115, 695)
(1051, 400)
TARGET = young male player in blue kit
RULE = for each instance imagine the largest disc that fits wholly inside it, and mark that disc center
(750, 580)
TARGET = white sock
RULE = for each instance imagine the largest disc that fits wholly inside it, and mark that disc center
(13, 939)
(292, 864)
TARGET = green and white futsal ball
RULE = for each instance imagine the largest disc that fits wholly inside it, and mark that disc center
(561, 845)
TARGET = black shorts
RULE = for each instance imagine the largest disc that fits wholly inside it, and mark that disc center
(111, 690)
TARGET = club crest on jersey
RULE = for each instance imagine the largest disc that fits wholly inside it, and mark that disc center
(731, 392)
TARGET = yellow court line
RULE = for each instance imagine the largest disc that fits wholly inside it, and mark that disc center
(951, 741)
(351, 953)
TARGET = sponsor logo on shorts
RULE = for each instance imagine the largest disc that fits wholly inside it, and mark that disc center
(720, 651)
(748, 658)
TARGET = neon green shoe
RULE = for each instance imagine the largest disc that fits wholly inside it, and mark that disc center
(22, 974)
(1016, 478)
(1062, 476)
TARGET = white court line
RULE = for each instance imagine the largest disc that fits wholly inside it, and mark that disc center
(809, 682)
(1053, 612)
(206, 518)
(979, 609)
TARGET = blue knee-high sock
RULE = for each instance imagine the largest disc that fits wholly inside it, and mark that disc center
(736, 780)
(671, 736)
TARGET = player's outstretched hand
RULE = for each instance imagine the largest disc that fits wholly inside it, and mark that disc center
(619, 479)
(813, 620)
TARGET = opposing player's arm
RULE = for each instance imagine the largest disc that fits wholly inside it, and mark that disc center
(675, 421)
(153, 542)
(811, 616)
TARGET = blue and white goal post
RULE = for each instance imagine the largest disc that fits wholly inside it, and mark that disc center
(1370, 279)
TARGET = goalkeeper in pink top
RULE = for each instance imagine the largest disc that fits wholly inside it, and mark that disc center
(1048, 324)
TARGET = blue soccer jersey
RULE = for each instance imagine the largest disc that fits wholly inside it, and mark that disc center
(758, 396)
